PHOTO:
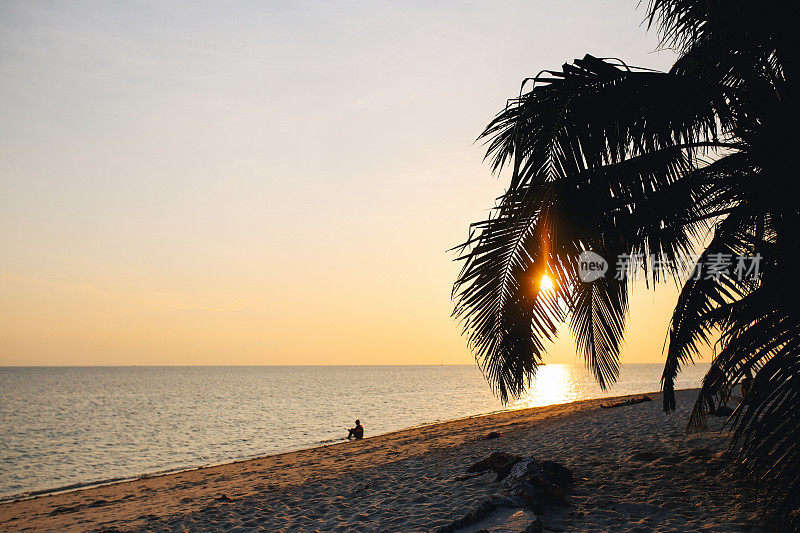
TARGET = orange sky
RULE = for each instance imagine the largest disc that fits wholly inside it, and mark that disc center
(264, 183)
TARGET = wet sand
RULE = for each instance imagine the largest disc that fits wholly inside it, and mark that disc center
(635, 468)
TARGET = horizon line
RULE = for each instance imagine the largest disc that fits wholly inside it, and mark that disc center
(211, 365)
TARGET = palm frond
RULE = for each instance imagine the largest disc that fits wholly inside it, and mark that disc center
(598, 324)
(705, 295)
(597, 165)
(622, 160)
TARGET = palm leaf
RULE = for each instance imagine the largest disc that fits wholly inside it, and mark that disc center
(596, 162)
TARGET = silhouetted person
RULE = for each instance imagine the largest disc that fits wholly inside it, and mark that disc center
(747, 384)
(357, 432)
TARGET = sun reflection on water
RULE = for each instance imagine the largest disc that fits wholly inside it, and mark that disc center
(554, 383)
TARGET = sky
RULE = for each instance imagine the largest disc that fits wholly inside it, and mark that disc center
(265, 182)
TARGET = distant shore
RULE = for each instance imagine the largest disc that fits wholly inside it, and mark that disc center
(634, 466)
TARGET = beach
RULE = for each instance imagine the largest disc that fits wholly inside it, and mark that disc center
(635, 469)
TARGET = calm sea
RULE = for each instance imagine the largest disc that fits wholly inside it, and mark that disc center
(63, 426)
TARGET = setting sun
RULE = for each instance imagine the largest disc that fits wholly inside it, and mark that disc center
(401, 266)
(546, 284)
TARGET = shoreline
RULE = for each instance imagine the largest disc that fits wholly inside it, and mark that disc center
(413, 479)
(336, 442)
(145, 475)
(97, 444)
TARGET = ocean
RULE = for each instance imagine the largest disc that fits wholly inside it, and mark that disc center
(69, 426)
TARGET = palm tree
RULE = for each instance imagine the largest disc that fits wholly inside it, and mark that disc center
(628, 162)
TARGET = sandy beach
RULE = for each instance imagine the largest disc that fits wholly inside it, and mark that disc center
(635, 469)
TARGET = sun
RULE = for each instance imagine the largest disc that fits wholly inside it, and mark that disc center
(546, 283)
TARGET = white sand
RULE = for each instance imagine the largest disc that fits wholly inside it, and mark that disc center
(636, 470)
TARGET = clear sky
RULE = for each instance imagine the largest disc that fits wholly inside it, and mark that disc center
(264, 182)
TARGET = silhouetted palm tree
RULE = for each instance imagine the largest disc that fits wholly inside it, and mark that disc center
(645, 165)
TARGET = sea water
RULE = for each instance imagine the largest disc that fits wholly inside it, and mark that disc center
(62, 426)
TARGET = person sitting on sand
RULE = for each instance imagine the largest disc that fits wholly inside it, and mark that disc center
(747, 384)
(357, 432)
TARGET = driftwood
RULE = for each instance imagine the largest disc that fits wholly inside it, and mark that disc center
(629, 401)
